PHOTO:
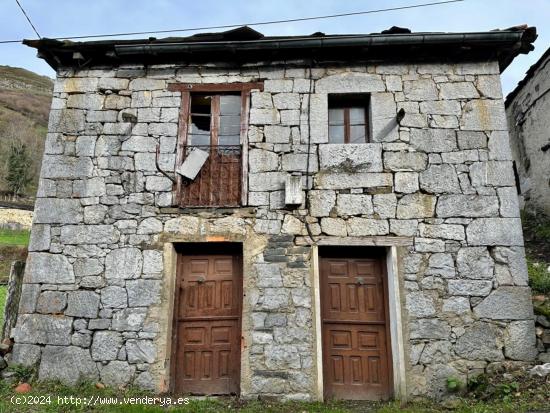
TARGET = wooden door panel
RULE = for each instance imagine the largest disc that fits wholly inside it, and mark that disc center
(356, 356)
(354, 290)
(207, 360)
(210, 288)
(207, 343)
(223, 266)
(358, 361)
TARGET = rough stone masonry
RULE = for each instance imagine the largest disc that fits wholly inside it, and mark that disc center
(95, 302)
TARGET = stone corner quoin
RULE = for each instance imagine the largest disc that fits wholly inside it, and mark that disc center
(97, 279)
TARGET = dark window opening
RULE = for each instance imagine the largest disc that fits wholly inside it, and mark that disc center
(348, 118)
(200, 120)
(516, 177)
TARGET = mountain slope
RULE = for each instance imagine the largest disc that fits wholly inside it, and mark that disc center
(23, 79)
(25, 99)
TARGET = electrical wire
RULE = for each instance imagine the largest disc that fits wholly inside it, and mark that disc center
(28, 18)
(262, 23)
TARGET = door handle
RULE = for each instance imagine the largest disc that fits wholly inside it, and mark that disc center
(201, 280)
(360, 281)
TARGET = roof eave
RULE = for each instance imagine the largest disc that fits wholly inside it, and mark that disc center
(503, 46)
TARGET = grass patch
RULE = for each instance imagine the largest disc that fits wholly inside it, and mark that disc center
(38, 83)
(542, 228)
(539, 277)
(3, 294)
(13, 247)
(538, 224)
(8, 237)
(536, 231)
(521, 398)
(8, 254)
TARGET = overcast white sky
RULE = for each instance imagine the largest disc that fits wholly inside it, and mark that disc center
(57, 18)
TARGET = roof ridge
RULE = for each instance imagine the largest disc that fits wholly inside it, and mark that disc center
(528, 75)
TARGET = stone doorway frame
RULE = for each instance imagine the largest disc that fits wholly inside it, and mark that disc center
(391, 245)
(164, 312)
(211, 250)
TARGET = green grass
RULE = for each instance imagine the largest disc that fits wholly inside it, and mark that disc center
(542, 229)
(538, 224)
(539, 277)
(532, 399)
(8, 237)
(13, 247)
(536, 230)
(3, 293)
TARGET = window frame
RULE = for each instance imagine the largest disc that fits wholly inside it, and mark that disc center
(186, 90)
(347, 101)
(215, 118)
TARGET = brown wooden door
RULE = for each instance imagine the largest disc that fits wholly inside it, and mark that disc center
(356, 347)
(208, 324)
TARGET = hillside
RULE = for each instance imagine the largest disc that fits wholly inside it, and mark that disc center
(23, 79)
(24, 107)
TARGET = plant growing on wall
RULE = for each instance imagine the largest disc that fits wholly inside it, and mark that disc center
(454, 385)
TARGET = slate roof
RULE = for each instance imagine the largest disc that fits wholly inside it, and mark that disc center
(544, 59)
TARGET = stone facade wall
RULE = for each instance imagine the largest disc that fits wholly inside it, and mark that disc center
(96, 293)
(529, 124)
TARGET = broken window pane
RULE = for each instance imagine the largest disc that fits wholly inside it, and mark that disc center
(199, 139)
(214, 124)
(207, 118)
(200, 120)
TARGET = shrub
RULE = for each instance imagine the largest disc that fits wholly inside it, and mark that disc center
(23, 373)
(19, 164)
(539, 277)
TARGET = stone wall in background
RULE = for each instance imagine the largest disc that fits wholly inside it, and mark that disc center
(443, 178)
(529, 124)
(15, 219)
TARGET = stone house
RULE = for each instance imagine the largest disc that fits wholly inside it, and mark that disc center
(301, 217)
(527, 108)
